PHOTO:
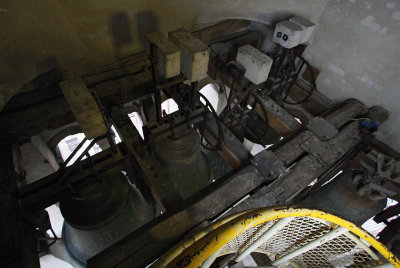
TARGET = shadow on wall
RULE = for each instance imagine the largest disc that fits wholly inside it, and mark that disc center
(275, 17)
(121, 30)
(146, 23)
(121, 33)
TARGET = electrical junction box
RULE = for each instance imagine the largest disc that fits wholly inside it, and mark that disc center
(168, 54)
(194, 54)
(293, 32)
(288, 34)
(307, 26)
(256, 63)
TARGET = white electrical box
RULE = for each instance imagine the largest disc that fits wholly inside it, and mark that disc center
(256, 63)
(293, 32)
(194, 54)
(288, 34)
(168, 54)
(307, 26)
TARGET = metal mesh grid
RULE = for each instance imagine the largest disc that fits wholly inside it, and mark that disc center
(297, 233)
(246, 238)
(339, 252)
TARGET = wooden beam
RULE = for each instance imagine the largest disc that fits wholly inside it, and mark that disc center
(315, 105)
(223, 28)
(84, 107)
(32, 120)
(18, 240)
(48, 190)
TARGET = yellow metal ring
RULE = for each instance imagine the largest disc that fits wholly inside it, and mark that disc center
(199, 251)
(173, 252)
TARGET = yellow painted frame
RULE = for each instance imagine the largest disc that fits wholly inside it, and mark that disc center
(194, 251)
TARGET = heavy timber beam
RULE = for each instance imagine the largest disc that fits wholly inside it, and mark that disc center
(18, 240)
(48, 190)
(278, 118)
(319, 156)
(232, 150)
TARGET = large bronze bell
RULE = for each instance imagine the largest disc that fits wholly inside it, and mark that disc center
(100, 213)
(182, 161)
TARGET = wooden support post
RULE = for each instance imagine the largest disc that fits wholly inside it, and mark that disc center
(18, 240)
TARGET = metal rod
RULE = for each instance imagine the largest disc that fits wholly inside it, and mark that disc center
(65, 175)
(210, 260)
(156, 78)
(73, 153)
(362, 245)
(316, 243)
(279, 225)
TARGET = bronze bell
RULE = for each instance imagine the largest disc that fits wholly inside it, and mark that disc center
(100, 213)
(182, 161)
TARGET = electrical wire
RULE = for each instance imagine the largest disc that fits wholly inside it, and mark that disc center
(313, 86)
(219, 127)
(51, 238)
(286, 74)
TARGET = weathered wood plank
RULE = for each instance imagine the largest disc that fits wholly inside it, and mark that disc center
(315, 105)
(317, 160)
(232, 150)
(223, 28)
(278, 118)
(84, 108)
(31, 121)
(346, 112)
(168, 54)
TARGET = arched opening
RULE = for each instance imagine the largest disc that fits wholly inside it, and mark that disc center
(67, 145)
(169, 106)
(210, 91)
(137, 121)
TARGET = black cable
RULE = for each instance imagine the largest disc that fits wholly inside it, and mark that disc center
(311, 92)
(220, 132)
(52, 243)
